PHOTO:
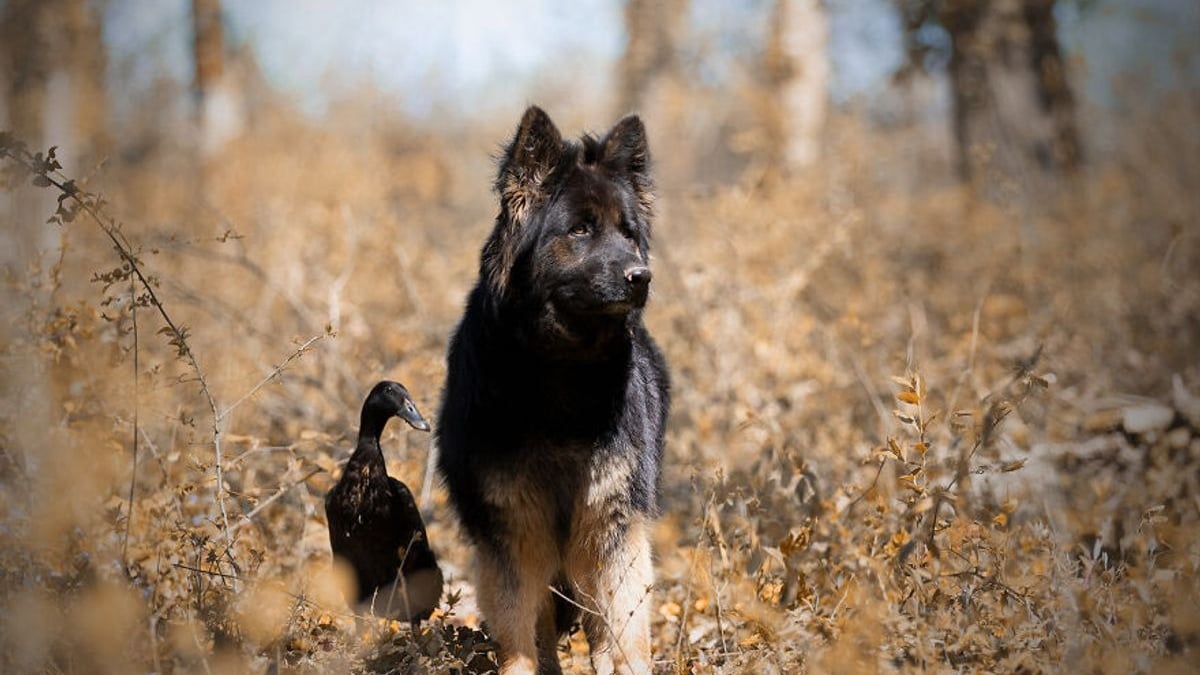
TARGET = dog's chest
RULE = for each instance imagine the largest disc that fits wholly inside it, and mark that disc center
(561, 491)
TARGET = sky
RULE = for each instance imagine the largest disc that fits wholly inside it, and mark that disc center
(441, 58)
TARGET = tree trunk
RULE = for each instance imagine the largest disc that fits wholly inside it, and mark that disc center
(27, 63)
(87, 140)
(1050, 77)
(1013, 111)
(218, 114)
(796, 69)
(968, 76)
(28, 66)
(652, 28)
(208, 48)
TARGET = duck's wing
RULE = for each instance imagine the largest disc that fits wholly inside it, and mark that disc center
(363, 538)
(405, 514)
(422, 577)
(410, 528)
(336, 520)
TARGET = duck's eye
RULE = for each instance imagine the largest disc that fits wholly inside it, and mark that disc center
(580, 230)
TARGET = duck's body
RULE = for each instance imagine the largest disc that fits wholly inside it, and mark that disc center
(374, 523)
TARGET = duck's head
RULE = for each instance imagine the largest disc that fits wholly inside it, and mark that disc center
(390, 399)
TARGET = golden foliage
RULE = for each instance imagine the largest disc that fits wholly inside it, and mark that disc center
(900, 437)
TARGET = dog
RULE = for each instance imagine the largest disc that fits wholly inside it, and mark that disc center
(551, 425)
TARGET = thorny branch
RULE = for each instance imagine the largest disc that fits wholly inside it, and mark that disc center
(45, 170)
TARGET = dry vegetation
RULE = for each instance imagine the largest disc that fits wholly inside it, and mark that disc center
(914, 428)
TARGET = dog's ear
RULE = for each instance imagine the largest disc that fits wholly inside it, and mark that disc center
(626, 152)
(531, 155)
(529, 158)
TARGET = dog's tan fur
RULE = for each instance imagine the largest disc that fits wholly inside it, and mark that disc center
(609, 572)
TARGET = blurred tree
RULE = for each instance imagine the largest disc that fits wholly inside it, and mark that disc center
(1008, 82)
(653, 31)
(54, 64)
(85, 64)
(27, 60)
(1050, 77)
(796, 74)
(52, 69)
(208, 47)
(651, 82)
(218, 114)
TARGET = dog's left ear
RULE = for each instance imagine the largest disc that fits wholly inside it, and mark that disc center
(627, 153)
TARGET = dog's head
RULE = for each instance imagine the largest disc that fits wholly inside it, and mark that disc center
(572, 237)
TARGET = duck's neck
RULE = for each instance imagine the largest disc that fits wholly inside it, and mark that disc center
(371, 424)
(367, 459)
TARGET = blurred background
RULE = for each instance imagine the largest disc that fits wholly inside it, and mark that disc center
(925, 276)
(733, 83)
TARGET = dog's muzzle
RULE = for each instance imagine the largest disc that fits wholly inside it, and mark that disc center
(639, 284)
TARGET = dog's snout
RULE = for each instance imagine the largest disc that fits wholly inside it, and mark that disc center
(638, 276)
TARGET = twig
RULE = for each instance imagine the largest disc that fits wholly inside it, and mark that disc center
(260, 449)
(962, 377)
(211, 573)
(136, 426)
(240, 260)
(399, 581)
(572, 602)
(837, 607)
(996, 413)
(866, 490)
(430, 476)
(162, 469)
(282, 490)
(993, 582)
(706, 536)
(872, 395)
(271, 375)
(616, 642)
(720, 621)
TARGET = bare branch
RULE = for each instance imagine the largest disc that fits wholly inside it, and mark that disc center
(248, 517)
(45, 172)
(272, 375)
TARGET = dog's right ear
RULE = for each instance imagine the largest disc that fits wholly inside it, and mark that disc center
(529, 158)
(531, 155)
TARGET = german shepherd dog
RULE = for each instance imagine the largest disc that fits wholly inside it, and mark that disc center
(551, 426)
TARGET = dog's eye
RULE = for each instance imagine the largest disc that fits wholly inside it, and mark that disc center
(581, 230)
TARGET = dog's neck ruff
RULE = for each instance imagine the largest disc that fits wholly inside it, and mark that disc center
(550, 334)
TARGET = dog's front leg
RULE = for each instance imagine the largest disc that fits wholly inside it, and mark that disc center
(618, 630)
(510, 607)
(547, 640)
(512, 588)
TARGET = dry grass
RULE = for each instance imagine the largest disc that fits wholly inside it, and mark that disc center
(913, 429)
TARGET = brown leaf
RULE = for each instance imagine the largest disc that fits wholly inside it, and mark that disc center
(1012, 466)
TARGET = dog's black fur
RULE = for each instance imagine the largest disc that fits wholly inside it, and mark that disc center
(554, 386)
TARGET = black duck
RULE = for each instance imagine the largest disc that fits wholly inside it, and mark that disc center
(374, 523)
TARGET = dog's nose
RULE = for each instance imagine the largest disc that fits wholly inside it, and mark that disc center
(638, 276)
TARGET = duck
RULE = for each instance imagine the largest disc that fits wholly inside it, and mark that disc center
(374, 523)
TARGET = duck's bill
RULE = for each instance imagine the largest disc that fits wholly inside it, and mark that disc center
(415, 420)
